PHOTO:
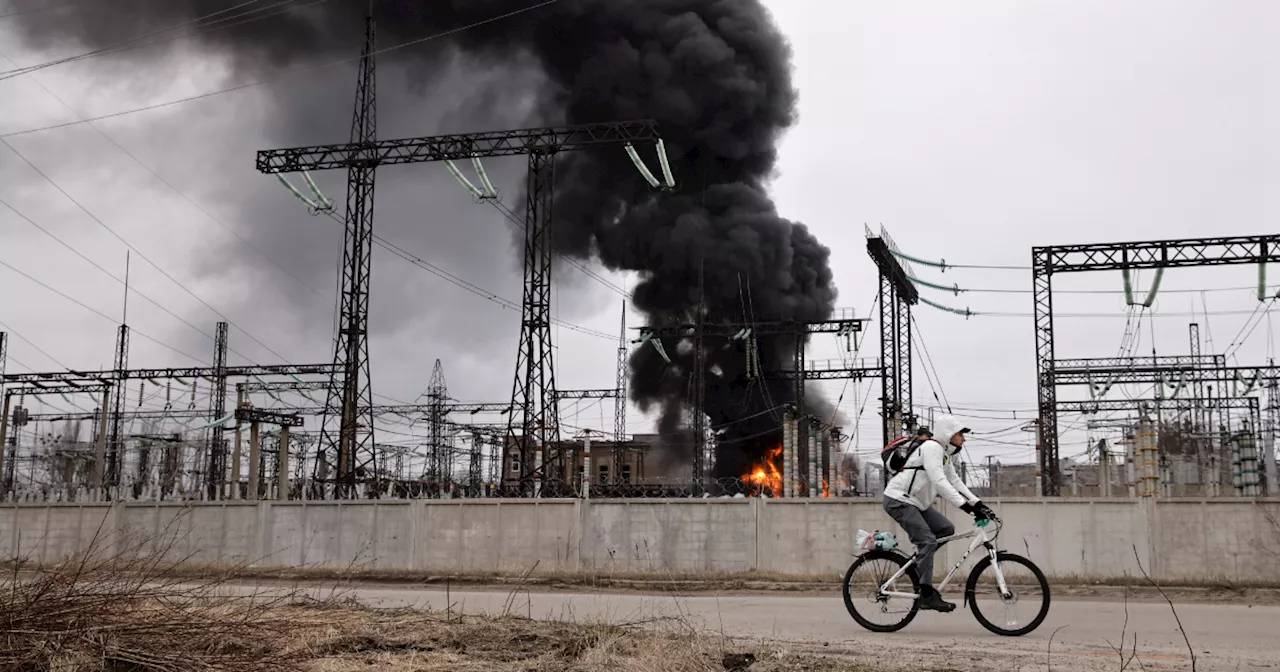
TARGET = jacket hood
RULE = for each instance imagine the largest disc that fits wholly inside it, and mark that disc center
(946, 427)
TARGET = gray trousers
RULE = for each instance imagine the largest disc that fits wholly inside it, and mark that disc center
(923, 528)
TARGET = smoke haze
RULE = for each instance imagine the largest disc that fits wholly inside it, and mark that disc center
(715, 75)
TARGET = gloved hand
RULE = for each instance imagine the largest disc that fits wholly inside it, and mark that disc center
(980, 512)
(983, 512)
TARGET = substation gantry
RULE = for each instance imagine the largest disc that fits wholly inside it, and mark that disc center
(533, 390)
(110, 385)
(1158, 255)
(896, 297)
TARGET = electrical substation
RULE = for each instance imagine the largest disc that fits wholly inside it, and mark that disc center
(225, 432)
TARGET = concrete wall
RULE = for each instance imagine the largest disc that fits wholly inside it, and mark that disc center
(1184, 540)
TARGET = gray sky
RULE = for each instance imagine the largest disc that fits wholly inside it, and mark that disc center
(971, 130)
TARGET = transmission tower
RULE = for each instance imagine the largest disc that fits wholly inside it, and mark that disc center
(897, 295)
(533, 416)
(218, 409)
(350, 395)
(437, 394)
(620, 402)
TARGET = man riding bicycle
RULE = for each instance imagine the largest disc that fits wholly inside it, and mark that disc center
(923, 468)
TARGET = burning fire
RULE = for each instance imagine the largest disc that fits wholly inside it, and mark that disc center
(765, 479)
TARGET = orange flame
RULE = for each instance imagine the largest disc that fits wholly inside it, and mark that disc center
(765, 478)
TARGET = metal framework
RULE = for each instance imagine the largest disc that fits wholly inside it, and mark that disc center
(533, 388)
(897, 295)
(437, 394)
(218, 409)
(1050, 260)
(1179, 404)
(1141, 371)
(74, 378)
(620, 400)
(115, 451)
(269, 416)
(801, 371)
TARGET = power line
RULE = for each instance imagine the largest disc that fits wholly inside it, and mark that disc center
(268, 80)
(99, 313)
(204, 29)
(139, 252)
(31, 343)
(133, 41)
(108, 273)
(168, 184)
(464, 284)
(506, 212)
(45, 9)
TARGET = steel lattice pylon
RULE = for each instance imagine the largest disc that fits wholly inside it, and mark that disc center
(620, 402)
(115, 451)
(897, 295)
(437, 395)
(533, 390)
(217, 449)
(351, 393)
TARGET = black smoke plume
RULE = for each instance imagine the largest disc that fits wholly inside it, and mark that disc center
(715, 74)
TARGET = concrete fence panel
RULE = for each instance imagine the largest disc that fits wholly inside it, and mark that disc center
(676, 535)
(1185, 540)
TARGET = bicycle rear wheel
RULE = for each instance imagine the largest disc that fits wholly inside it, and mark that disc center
(880, 613)
(1019, 611)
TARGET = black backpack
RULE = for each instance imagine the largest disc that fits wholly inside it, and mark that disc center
(895, 455)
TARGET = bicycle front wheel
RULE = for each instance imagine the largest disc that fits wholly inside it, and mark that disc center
(1021, 608)
(868, 606)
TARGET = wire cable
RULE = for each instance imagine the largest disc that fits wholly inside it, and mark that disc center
(109, 274)
(139, 252)
(32, 343)
(506, 212)
(228, 22)
(99, 313)
(170, 185)
(464, 284)
(248, 85)
(133, 41)
(24, 12)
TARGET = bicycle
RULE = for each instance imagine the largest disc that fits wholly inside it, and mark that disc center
(1002, 580)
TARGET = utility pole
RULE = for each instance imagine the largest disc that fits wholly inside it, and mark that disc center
(218, 409)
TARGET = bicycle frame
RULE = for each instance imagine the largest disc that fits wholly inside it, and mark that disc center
(980, 538)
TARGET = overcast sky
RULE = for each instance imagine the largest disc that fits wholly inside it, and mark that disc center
(971, 130)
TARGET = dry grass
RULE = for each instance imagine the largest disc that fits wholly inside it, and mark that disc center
(117, 607)
(344, 638)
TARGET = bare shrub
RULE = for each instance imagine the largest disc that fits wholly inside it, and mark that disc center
(116, 606)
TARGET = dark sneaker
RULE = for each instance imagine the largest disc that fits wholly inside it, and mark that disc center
(931, 600)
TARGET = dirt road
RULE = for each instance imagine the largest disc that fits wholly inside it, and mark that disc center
(1226, 637)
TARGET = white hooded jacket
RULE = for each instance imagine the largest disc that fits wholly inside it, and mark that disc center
(930, 471)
